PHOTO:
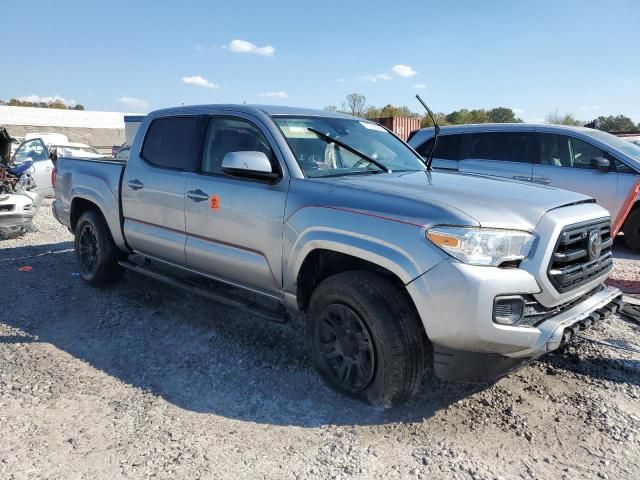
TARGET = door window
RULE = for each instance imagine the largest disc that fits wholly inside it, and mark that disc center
(582, 153)
(168, 142)
(501, 146)
(448, 147)
(31, 150)
(225, 135)
(554, 150)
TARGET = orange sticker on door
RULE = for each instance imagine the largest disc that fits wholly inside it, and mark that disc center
(215, 202)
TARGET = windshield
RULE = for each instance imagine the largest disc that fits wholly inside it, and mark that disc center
(618, 143)
(319, 157)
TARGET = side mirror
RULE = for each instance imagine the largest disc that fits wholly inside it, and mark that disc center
(248, 164)
(601, 163)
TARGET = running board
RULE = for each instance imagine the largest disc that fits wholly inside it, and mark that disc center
(278, 316)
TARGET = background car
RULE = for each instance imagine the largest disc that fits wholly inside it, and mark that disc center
(45, 154)
(584, 160)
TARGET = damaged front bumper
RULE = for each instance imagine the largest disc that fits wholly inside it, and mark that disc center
(17, 210)
(480, 367)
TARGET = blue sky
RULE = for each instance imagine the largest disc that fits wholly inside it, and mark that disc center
(580, 56)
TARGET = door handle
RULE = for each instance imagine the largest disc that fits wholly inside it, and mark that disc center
(135, 184)
(197, 195)
(523, 178)
(542, 180)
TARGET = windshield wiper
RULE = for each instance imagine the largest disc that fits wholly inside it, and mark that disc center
(348, 148)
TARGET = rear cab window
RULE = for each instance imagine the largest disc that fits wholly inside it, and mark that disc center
(168, 142)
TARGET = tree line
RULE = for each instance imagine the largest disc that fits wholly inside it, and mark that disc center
(14, 102)
(356, 104)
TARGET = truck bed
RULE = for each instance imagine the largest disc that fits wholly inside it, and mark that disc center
(96, 180)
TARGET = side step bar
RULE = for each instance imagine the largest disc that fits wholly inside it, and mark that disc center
(278, 316)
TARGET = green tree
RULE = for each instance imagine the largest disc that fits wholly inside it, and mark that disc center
(78, 107)
(389, 111)
(557, 118)
(57, 104)
(441, 118)
(502, 115)
(618, 123)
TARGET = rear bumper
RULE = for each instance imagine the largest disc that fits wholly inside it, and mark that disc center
(479, 367)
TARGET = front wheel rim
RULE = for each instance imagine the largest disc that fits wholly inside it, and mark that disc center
(345, 347)
(88, 249)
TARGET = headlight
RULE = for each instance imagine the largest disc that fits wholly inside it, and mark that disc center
(482, 246)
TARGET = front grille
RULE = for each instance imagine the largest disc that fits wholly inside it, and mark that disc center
(573, 263)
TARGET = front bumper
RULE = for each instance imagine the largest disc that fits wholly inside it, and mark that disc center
(18, 209)
(455, 303)
(480, 367)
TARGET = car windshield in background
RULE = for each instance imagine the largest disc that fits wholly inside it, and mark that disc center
(319, 157)
(618, 143)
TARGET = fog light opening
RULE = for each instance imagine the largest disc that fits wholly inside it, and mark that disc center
(508, 310)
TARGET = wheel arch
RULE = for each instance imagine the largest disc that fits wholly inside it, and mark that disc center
(81, 203)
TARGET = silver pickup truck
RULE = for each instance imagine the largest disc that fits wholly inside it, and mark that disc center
(397, 268)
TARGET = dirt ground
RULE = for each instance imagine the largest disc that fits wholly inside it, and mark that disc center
(140, 381)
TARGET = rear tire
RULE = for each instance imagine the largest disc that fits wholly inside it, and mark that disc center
(632, 230)
(95, 251)
(365, 338)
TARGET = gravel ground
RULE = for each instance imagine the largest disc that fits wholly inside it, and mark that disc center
(142, 381)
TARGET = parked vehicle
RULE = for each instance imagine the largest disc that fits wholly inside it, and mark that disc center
(334, 216)
(18, 202)
(44, 155)
(583, 160)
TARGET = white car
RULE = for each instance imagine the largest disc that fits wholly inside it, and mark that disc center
(45, 153)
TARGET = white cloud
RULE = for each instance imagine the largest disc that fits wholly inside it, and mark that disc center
(376, 77)
(277, 94)
(198, 46)
(55, 98)
(419, 86)
(199, 81)
(243, 46)
(591, 107)
(133, 102)
(626, 80)
(341, 80)
(403, 71)
(517, 110)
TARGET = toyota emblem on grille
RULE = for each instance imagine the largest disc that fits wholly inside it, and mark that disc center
(594, 246)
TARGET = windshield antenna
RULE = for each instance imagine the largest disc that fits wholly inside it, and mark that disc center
(436, 133)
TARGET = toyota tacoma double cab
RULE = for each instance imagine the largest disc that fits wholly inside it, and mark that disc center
(398, 269)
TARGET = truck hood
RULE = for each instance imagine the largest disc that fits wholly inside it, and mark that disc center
(491, 201)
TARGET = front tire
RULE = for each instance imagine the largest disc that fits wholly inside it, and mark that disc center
(632, 230)
(365, 339)
(95, 251)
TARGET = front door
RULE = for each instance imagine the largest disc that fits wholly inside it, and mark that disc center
(565, 162)
(153, 189)
(234, 225)
(36, 151)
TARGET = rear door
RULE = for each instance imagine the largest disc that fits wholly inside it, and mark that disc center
(565, 162)
(234, 225)
(153, 189)
(447, 154)
(502, 154)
